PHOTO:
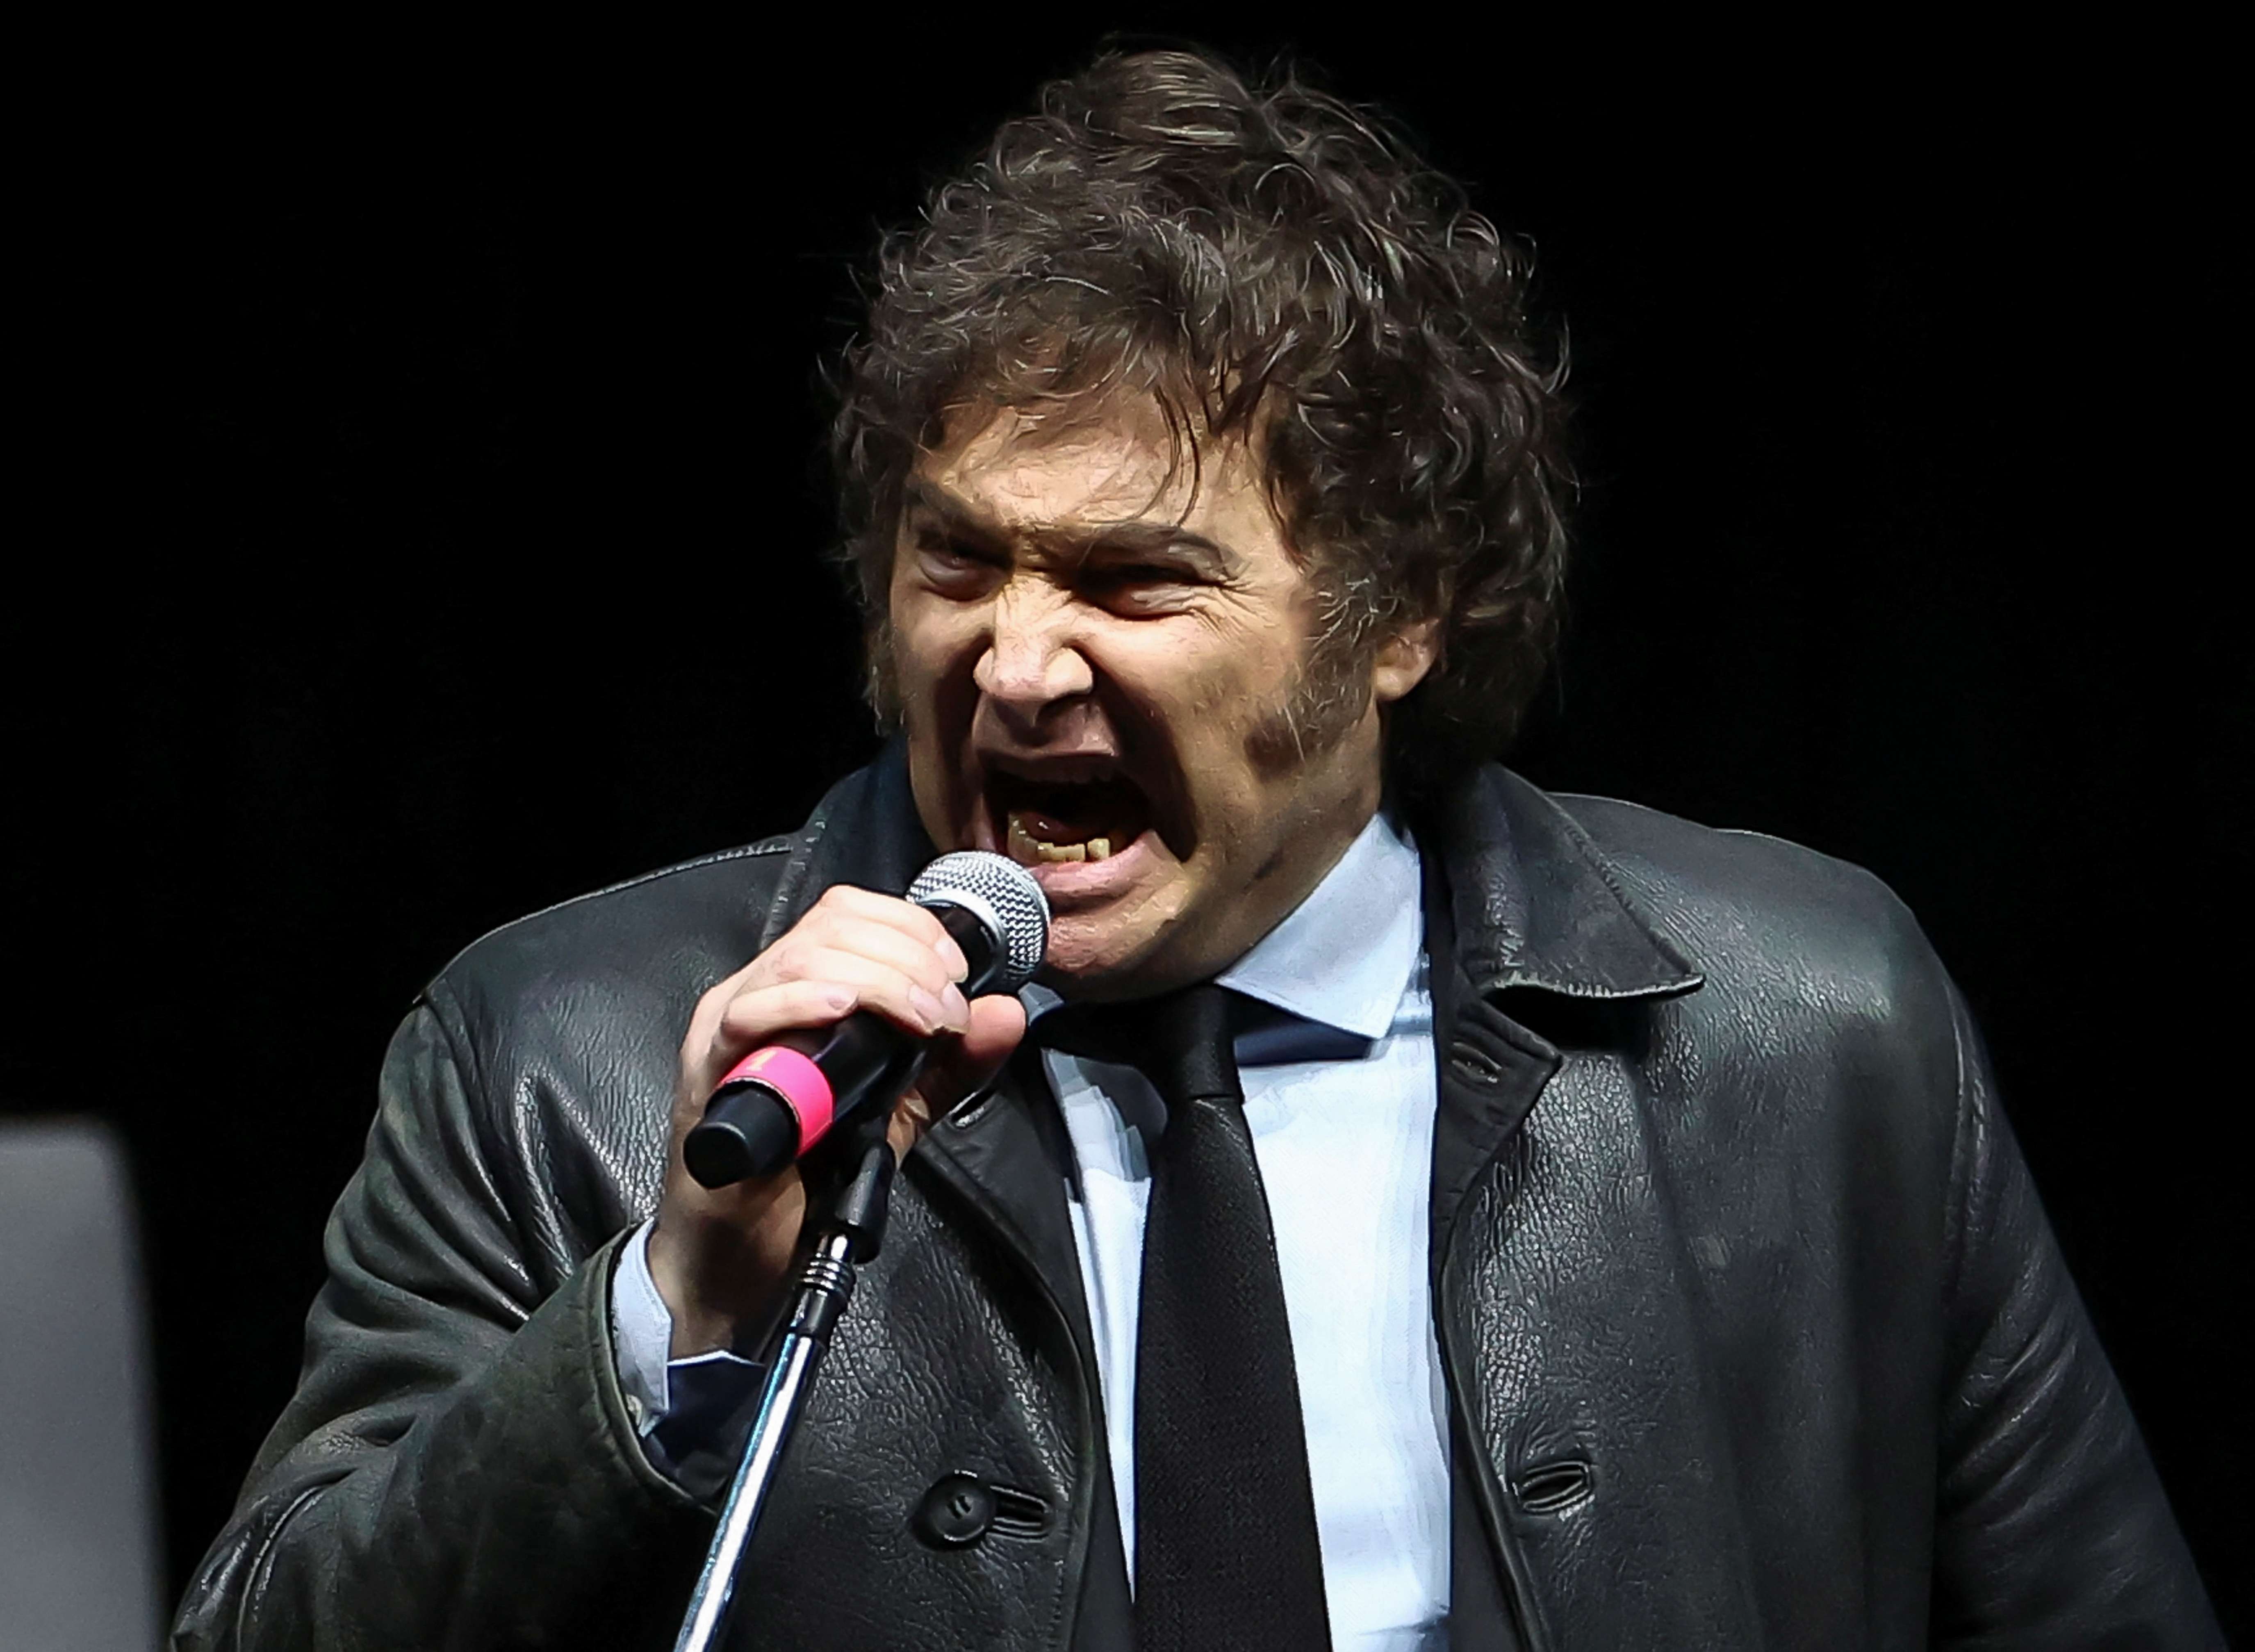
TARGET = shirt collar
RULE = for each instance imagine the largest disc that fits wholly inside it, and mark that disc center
(1344, 955)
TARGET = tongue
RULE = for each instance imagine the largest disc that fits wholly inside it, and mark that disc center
(1050, 828)
(1063, 815)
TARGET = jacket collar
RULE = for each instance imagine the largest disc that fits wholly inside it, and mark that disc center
(1537, 905)
(1534, 903)
(1519, 904)
(865, 831)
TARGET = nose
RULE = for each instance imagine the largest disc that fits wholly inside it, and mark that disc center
(1031, 664)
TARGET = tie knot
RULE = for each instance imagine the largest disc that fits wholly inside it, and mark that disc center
(1180, 1041)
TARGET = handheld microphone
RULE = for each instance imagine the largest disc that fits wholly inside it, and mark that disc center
(781, 1098)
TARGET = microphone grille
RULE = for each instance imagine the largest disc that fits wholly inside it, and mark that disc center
(1002, 893)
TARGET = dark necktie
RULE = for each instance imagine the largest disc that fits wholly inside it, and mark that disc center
(1226, 1555)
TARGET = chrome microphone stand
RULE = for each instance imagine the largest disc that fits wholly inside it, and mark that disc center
(848, 1238)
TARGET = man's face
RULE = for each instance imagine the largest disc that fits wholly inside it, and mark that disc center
(1097, 663)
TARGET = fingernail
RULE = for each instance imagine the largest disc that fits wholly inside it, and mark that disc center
(958, 1013)
(931, 1011)
(952, 955)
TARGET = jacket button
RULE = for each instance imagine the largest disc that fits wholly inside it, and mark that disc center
(956, 1511)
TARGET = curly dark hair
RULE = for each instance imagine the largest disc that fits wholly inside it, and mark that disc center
(1269, 262)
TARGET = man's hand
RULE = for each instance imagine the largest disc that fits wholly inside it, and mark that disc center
(719, 1255)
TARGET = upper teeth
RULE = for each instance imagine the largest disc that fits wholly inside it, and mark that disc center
(1025, 843)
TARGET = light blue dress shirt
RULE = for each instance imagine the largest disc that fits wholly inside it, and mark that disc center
(1341, 1114)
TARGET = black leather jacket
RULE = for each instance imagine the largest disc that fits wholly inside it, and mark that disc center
(1755, 1331)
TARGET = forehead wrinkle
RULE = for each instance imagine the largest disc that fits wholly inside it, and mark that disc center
(923, 493)
(1144, 438)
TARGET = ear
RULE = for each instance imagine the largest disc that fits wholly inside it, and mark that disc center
(1403, 660)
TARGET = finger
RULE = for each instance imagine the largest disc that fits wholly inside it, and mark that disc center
(962, 1065)
(880, 942)
(851, 981)
(711, 1004)
(753, 1019)
(922, 1009)
(997, 1026)
(843, 901)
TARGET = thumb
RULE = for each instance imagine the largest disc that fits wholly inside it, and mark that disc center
(963, 1064)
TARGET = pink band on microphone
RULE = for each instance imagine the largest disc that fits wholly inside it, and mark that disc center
(798, 1081)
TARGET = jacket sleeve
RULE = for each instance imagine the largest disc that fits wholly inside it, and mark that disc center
(2052, 1528)
(457, 1468)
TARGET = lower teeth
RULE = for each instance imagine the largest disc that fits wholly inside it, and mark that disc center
(1093, 849)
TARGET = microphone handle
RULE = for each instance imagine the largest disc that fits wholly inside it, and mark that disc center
(749, 1130)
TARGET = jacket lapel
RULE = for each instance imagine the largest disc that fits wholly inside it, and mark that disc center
(1535, 905)
(1004, 1159)
(1007, 1160)
(1526, 926)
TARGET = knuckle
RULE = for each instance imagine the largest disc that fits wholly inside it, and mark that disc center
(884, 991)
(812, 960)
(843, 900)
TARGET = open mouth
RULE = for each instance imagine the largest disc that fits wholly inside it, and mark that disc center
(1046, 821)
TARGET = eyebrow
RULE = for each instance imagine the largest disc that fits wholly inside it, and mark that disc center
(1134, 538)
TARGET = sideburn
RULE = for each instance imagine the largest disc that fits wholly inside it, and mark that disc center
(1330, 697)
(879, 685)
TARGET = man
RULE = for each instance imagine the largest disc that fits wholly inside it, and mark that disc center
(1410, 1210)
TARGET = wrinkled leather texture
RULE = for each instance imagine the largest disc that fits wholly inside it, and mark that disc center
(1745, 1298)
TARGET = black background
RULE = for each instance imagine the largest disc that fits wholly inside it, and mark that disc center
(437, 521)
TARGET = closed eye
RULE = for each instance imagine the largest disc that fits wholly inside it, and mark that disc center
(936, 542)
(954, 566)
(1140, 588)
